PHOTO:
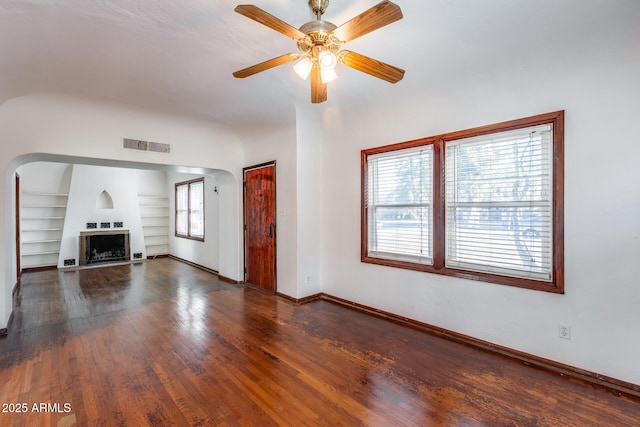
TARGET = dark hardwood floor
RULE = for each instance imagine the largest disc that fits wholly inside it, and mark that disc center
(163, 343)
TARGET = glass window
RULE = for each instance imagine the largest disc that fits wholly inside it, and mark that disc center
(400, 205)
(190, 209)
(499, 203)
(483, 203)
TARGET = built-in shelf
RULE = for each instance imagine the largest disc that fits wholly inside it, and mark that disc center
(154, 214)
(42, 218)
(49, 265)
(44, 206)
(35, 193)
(41, 253)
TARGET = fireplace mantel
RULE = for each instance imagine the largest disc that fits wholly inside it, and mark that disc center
(103, 232)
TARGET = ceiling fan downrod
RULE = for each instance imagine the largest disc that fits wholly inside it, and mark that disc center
(318, 7)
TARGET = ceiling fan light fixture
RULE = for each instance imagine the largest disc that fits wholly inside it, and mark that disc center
(303, 67)
(328, 74)
(327, 59)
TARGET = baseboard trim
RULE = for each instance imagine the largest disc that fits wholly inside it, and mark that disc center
(158, 256)
(614, 385)
(193, 264)
(229, 280)
(303, 300)
(207, 269)
(5, 331)
(35, 269)
(14, 296)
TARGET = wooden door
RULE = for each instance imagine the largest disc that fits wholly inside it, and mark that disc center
(260, 226)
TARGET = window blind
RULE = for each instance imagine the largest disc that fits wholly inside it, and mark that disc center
(498, 203)
(399, 205)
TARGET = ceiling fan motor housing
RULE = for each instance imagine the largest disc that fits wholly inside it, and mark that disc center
(319, 33)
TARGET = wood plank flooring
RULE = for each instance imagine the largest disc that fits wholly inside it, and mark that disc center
(163, 344)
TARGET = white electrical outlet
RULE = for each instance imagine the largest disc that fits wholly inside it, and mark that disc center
(564, 332)
(308, 278)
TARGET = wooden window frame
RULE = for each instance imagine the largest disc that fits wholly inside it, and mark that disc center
(188, 235)
(556, 283)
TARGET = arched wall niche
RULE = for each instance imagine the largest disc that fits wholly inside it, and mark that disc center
(104, 201)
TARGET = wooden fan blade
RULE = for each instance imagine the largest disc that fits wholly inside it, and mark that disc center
(318, 89)
(254, 69)
(384, 13)
(371, 66)
(259, 15)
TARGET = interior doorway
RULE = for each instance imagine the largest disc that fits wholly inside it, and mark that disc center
(260, 226)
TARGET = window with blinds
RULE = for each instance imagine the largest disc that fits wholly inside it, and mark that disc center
(499, 203)
(190, 209)
(483, 203)
(399, 204)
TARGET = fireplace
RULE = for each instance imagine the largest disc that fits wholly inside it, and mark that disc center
(98, 247)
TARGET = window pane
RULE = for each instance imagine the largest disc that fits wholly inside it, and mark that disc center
(399, 202)
(498, 203)
(402, 231)
(197, 224)
(182, 199)
(196, 190)
(181, 222)
(182, 202)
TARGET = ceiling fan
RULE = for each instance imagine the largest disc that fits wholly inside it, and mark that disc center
(319, 44)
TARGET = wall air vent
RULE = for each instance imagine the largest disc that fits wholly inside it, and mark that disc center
(136, 144)
(159, 148)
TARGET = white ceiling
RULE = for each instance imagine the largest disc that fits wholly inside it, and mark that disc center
(178, 56)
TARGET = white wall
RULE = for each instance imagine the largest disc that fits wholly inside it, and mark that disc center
(599, 89)
(230, 262)
(87, 183)
(51, 127)
(309, 142)
(202, 253)
(151, 183)
(45, 177)
(279, 144)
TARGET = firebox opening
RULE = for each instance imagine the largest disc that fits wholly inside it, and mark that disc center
(103, 247)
